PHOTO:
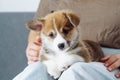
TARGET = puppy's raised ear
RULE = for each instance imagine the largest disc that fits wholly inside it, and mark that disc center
(73, 18)
(35, 24)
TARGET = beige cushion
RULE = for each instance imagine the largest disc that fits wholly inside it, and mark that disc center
(100, 19)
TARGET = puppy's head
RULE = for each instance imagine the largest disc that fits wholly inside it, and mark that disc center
(58, 30)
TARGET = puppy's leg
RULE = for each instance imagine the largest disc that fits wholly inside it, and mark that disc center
(52, 69)
(93, 49)
(65, 61)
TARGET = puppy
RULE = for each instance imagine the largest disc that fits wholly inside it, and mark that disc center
(61, 43)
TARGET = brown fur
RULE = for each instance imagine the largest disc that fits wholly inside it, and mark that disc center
(62, 22)
(91, 51)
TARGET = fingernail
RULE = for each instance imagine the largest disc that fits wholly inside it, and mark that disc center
(117, 75)
(101, 59)
(106, 64)
(32, 54)
(110, 69)
(35, 59)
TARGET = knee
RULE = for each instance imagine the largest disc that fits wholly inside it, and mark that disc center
(77, 66)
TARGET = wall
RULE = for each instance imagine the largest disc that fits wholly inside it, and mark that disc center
(18, 5)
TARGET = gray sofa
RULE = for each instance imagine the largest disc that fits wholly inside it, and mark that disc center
(13, 43)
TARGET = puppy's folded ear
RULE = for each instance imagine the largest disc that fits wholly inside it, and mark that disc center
(35, 24)
(73, 18)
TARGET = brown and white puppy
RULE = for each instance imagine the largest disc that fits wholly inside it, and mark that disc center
(61, 44)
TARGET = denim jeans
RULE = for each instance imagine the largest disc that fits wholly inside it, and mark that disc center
(78, 71)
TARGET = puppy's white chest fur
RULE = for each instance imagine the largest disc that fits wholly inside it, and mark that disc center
(58, 61)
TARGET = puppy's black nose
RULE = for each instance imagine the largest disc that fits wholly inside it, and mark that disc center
(61, 46)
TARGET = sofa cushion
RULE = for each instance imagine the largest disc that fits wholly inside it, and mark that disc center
(99, 18)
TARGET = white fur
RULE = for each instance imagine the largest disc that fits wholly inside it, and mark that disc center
(61, 62)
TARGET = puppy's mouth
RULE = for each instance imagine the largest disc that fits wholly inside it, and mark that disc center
(68, 42)
(72, 45)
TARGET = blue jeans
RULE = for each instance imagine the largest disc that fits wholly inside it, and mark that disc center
(78, 71)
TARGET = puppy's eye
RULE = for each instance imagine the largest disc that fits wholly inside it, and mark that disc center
(51, 35)
(65, 31)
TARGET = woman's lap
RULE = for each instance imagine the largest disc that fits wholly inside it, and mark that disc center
(35, 71)
(88, 71)
(78, 71)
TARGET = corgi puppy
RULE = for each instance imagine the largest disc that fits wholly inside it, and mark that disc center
(61, 42)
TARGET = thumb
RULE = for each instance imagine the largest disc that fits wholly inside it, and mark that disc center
(38, 40)
(105, 58)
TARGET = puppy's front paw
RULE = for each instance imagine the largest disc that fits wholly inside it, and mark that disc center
(63, 67)
(55, 74)
(52, 69)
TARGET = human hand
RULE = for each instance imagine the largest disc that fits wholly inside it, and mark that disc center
(112, 62)
(32, 50)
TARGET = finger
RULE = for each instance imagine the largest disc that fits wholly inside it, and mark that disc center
(33, 59)
(33, 53)
(110, 61)
(105, 58)
(37, 43)
(117, 75)
(34, 46)
(114, 66)
(38, 39)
